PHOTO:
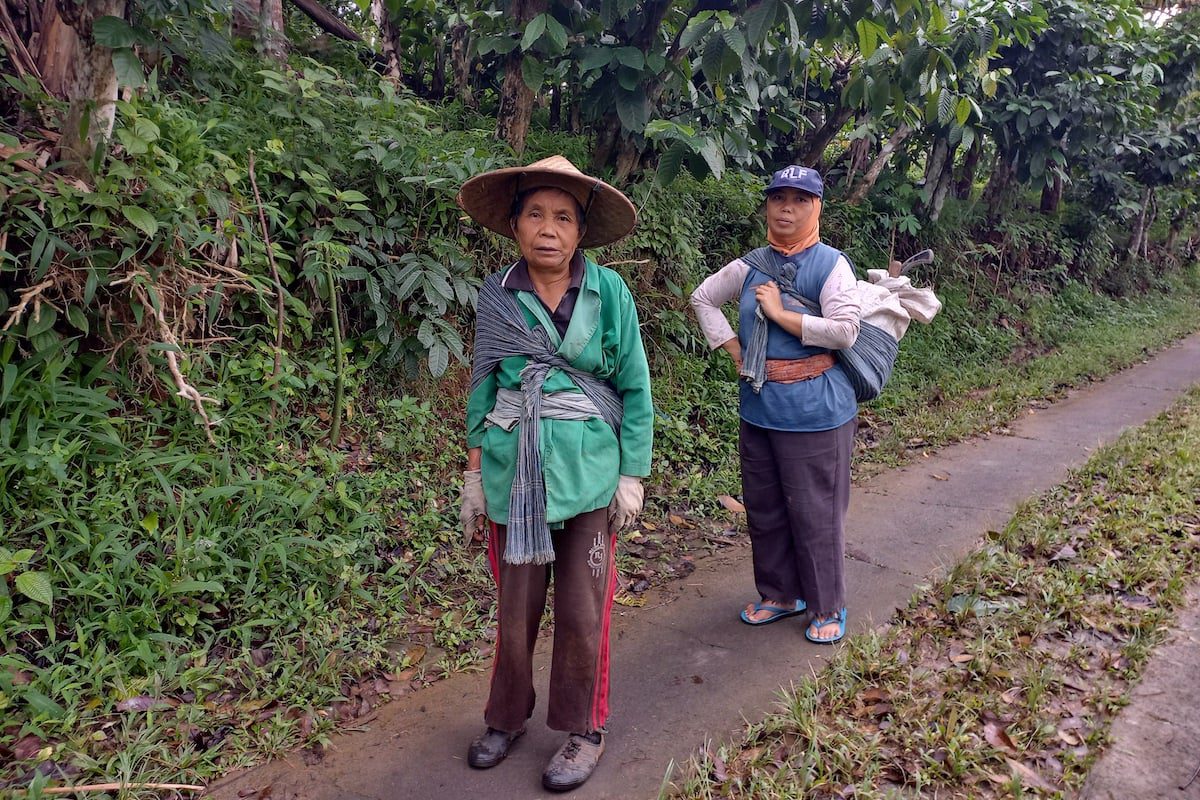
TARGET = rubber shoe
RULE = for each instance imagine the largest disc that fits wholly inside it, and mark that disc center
(490, 749)
(574, 762)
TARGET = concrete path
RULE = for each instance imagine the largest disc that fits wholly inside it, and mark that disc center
(685, 670)
(1155, 750)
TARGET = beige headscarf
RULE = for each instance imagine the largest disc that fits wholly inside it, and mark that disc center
(809, 232)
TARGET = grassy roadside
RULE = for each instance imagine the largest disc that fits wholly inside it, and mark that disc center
(1001, 679)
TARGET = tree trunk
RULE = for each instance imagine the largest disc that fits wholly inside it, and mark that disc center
(995, 194)
(437, 83)
(936, 162)
(607, 130)
(416, 79)
(812, 147)
(389, 39)
(261, 21)
(858, 154)
(516, 105)
(246, 14)
(273, 38)
(576, 115)
(1176, 228)
(629, 156)
(1052, 195)
(1139, 228)
(942, 188)
(876, 169)
(966, 178)
(1152, 215)
(460, 64)
(56, 51)
(91, 88)
(516, 99)
(556, 107)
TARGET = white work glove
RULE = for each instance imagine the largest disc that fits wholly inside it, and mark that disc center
(626, 503)
(473, 512)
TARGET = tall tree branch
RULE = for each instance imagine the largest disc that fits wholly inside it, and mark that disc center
(326, 20)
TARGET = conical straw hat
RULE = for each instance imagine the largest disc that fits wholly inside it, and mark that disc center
(488, 198)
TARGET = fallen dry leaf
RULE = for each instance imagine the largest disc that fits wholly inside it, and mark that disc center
(998, 737)
(1065, 554)
(1029, 777)
(720, 773)
(1069, 738)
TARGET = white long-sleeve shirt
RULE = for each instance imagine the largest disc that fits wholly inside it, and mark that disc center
(835, 329)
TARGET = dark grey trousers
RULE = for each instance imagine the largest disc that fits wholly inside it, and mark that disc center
(796, 488)
(584, 577)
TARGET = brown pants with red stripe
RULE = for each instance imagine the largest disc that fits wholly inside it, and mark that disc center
(584, 577)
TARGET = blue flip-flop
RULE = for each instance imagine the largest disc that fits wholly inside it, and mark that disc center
(820, 622)
(777, 612)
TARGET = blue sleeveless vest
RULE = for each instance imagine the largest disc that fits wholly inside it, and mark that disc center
(819, 404)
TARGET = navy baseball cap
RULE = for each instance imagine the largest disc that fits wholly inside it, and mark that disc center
(796, 177)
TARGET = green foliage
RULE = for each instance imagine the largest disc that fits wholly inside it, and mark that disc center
(146, 566)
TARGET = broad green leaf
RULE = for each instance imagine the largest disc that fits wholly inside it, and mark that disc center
(968, 137)
(714, 156)
(694, 32)
(150, 523)
(439, 360)
(759, 18)
(595, 58)
(44, 321)
(670, 162)
(534, 31)
(36, 586)
(945, 111)
(533, 71)
(556, 33)
(735, 40)
(867, 37)
(128, 68)
(631, 57)
(141, 219)
(713, 58)
(113, 32)
(633, 110)
(628, 78)
(962, 111)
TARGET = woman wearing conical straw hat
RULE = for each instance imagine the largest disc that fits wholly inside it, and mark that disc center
(559, 428)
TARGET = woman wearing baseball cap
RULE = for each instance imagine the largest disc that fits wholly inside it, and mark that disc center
(559, 426)
(797, 407)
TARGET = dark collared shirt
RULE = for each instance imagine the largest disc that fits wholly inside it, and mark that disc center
(518, 279)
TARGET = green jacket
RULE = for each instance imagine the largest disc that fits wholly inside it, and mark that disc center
(581, 459)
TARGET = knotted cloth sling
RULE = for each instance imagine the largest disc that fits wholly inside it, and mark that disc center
(867, 363)
(501, 332)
